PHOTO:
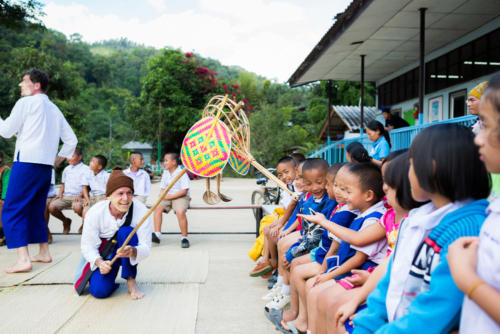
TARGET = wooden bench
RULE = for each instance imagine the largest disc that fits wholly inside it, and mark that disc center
(258, 208)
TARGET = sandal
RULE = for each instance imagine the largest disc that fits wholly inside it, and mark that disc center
(294, 329)
(274, 316)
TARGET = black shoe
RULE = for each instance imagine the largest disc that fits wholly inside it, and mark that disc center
(185, 243)
(155, 239)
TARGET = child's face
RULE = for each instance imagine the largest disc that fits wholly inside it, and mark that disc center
(340, 194)
(75, 159)
(315, 182)
(168, 162)
(330, 185)
(356, 198)
(94, 165)
(299, 180)
(286, 172)
(372, 135)
(418, 194)
(488, 137)
(137, 161)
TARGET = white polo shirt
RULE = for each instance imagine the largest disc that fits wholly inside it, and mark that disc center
(73, 177)
(39, 125)
(97, 183)
(142, 182)
(181, 184)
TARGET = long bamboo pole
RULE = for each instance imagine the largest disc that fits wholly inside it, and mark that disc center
(160, 198)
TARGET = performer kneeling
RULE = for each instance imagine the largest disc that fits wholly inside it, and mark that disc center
(103, 221)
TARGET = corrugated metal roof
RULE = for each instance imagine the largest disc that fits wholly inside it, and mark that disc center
(135, 145)
(351, 115)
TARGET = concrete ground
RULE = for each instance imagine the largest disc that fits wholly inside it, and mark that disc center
(203, 289)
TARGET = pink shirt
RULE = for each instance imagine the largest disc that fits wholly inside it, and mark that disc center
(388, 221)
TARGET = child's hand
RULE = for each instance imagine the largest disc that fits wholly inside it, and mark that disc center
(462, 260)
(320, 279)
(360, 277)
(345, 311)
(284, 233)
(318, 218)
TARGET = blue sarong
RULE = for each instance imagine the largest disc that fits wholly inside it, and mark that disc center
(24, 206)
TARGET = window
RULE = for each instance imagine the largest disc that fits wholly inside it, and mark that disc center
(458, 103)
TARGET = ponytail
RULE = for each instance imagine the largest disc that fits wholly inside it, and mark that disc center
(375, 125)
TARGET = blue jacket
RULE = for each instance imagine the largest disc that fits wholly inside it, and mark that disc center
(435, 306)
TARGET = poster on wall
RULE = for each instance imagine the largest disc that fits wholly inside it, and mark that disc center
(436, 109)
(408, 116)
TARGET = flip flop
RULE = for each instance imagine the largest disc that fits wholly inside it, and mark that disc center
(294, 329)
(274, 316)
(282, 329)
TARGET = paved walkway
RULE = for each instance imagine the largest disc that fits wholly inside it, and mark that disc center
(203, 289)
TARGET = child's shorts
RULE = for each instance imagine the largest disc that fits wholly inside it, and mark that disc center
(289, 256)
(313, 254)
(181, 203)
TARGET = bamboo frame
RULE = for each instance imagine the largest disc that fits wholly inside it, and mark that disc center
(237, 121)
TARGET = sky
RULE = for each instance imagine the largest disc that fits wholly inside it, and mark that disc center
(268, 37)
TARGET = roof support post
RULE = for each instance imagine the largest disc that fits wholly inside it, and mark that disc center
(362, 95)
(329, 86)
(421, 69)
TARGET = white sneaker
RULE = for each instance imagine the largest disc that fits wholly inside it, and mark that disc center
(272, 293)
(278, 302)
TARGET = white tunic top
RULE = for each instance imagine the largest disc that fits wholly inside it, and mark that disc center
(73, 177)
(474, 319)
(97, 183)
(181, 184)
(142, 182)
(412, 232)
(99, 223)
(39, 125)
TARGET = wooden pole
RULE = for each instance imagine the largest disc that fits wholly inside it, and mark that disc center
(160, 198)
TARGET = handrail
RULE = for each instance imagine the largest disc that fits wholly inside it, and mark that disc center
(400, 139)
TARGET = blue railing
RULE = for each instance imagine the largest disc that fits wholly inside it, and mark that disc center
(400, 138)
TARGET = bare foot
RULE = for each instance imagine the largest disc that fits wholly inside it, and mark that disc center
(133, 289)
(66, 226)
(19, 267)
(289, 315)
(41, 258)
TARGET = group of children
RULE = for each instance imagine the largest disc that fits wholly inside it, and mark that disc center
(391, 248)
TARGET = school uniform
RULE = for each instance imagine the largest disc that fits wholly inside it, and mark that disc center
(73, 178)
(341, 216)
(310, 232)
(474, 319)
(142, 183)
(418, 274)
(97, 183)
(380, 149)
(39, 125)
(182, 184)
(100, 224)
(362, 221)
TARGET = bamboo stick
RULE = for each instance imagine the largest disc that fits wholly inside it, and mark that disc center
(160, 198)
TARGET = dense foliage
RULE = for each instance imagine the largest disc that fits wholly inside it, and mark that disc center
(111, 91)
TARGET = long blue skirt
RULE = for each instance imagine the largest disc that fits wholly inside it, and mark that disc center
(22, 214)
